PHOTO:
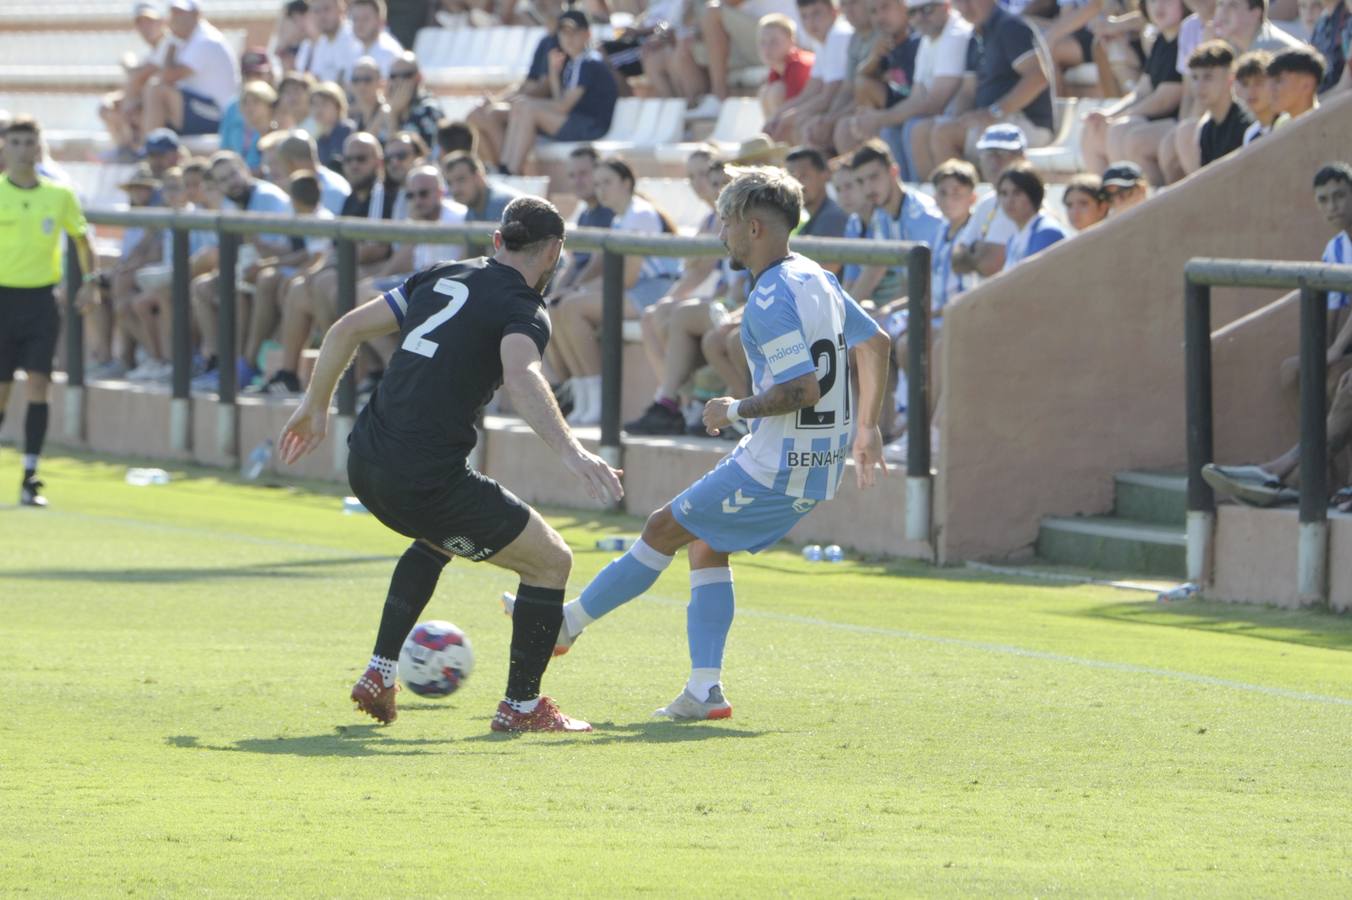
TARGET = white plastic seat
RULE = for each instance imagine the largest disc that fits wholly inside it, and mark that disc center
(535, 185)
(476, 57)
(45, 57)
(739, 119)
(676, 198)
(639, 124)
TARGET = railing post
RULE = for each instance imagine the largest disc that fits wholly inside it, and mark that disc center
(919, 484)
(1312, 550)
(227, 415)
(1197, 363)
(347, 385)
(75, 396)
(180, 349)
(612, 355)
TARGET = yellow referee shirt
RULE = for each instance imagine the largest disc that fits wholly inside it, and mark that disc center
(31, 224)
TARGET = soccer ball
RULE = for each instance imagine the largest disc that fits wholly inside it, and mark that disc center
(436, 659)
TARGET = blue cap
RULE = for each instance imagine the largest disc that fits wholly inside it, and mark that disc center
(162, 140)
(1003, 137)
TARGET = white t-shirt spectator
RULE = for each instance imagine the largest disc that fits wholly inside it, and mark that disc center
(1339, 252)
(641, 218)
(946, 55)
(316, 244)
(331, 58)
(215, 70)
(384, 51)
(425, 255)
(830, 64)
(988, 225)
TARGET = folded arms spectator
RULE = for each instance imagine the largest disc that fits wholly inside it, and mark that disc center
(198, 77)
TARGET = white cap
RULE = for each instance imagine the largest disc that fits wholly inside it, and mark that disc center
(191, 6)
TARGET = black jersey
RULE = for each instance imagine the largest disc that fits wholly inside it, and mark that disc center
(452, 319)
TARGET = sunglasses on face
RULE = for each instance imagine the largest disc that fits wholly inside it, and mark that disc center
(399, 155)
(356, 159)
(402, 76)
(288, 50)
(363, 79)
(418, 195)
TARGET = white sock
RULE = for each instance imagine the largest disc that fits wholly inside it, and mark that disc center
(30, 462)
(701, 681)
(575, 618)
(591, 384)
(523, 706)
(388, 669)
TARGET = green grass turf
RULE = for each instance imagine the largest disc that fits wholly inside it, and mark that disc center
(176, 662)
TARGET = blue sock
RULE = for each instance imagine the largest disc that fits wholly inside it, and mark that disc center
(708, 618)
(624, 579)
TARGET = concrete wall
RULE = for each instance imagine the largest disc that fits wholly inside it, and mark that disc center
(1070, 368)
(1256, 557)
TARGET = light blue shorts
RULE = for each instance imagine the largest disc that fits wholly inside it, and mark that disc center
(730, 511)
(647, 291)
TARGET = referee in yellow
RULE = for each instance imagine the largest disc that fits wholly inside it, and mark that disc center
(34, 212)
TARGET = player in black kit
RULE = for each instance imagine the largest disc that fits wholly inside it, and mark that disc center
(466, 328)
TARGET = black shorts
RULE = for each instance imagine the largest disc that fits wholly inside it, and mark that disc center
(470, 516)
(29, 326)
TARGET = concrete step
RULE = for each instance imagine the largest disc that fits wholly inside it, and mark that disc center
(1145, 496)
(1120, 545)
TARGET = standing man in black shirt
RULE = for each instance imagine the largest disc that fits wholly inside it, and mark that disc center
(1225, 122)
(465, 328)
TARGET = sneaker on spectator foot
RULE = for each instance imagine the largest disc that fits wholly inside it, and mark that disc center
(281, 384)
(562, 644)
(374, 698)
(209, 381)
(30, 493)
(686, 708)
(708, 107)
(1252, 485)
(545, 717)
(657, 419)
(108, 371)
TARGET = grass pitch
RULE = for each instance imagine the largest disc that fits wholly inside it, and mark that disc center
(176, 662)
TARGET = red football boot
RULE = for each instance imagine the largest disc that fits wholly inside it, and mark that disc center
(373, 698)
(545, 717)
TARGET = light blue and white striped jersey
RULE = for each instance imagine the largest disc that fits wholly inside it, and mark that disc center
(798, 321)
(918, 219)
(1339, 251)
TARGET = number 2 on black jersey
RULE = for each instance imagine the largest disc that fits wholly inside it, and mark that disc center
(416, 341)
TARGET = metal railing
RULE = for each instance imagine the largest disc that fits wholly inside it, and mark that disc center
(345, 232)
(1313, 280)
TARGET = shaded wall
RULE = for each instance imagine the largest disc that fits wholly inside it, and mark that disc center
(1070, 368)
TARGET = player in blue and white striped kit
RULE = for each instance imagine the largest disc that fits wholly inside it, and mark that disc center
(800, 330)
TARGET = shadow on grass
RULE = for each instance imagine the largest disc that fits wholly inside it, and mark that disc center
(637, 733)
(297, 568)
(1305, 627)
(345, 741)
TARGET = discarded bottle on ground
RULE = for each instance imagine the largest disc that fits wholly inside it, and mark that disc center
(616, 543)
(813, 553)
(352, 506)
(258, 461)
(1182, 592)
(145, 477)
(833, 553)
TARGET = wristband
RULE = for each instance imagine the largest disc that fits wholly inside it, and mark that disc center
(732, 413)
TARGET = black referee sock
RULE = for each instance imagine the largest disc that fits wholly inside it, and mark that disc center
(535, 629)
(411, 586)
(34, 433)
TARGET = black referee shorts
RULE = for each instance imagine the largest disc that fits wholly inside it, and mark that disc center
(470, 516)
(29, 326)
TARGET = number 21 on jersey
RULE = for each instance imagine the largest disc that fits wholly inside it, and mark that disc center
(417, 340)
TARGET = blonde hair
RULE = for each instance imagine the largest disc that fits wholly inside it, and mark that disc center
(781, 21)
(334, 93)
(260, 90)
(761, 188)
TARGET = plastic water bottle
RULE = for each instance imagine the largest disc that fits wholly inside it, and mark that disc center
(813, 553)
(833, 553)
(1182, 592)
(615, 543)
(352, 506)
(145, 477)
(258, 461)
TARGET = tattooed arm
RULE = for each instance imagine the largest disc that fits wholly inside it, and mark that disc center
(791, 396)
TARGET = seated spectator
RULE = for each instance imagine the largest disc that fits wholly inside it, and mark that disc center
(647, 279)
(121, 109)
(1012, 84)
(1224, 122)
(1331, 36)
(122, 332)
(660, 47)
(1295, 75)
(790, 65)
(163, 151)
(1124, 186)
(980, 249)
(328, 111)
(468, 182)
(1117, 49)
(331, 54)
(1254, 91)
(1066, 28)
(823, 217)
(583, 265)
(940, 65)
(456, 137)
(823, 23)
(1178, 150)
(1086, 206)
(412, 108)
(370, 109)
(729, 35)
(293, 101)
(1245, 24)
(490, 117)
(955, 184)
(404, 152)
(1021, 192)
(297, 153)
(898, 215)
(1133, 127)
(368, 26)
(294, 27)
(895, 72)
(581, 103)
(257, 101)
(198, 77)
(1266, 483)
(253, 66)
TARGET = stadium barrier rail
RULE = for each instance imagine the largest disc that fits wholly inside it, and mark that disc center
(1314, 281)
(346, 232)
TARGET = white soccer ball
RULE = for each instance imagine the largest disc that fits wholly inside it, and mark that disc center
(436, 659)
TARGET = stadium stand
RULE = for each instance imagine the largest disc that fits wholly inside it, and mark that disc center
(640, 125)
(87, 59)
(739, 119)
(114, 12)
(471, 58)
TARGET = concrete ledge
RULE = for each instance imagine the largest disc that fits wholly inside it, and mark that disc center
(1256, 552)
